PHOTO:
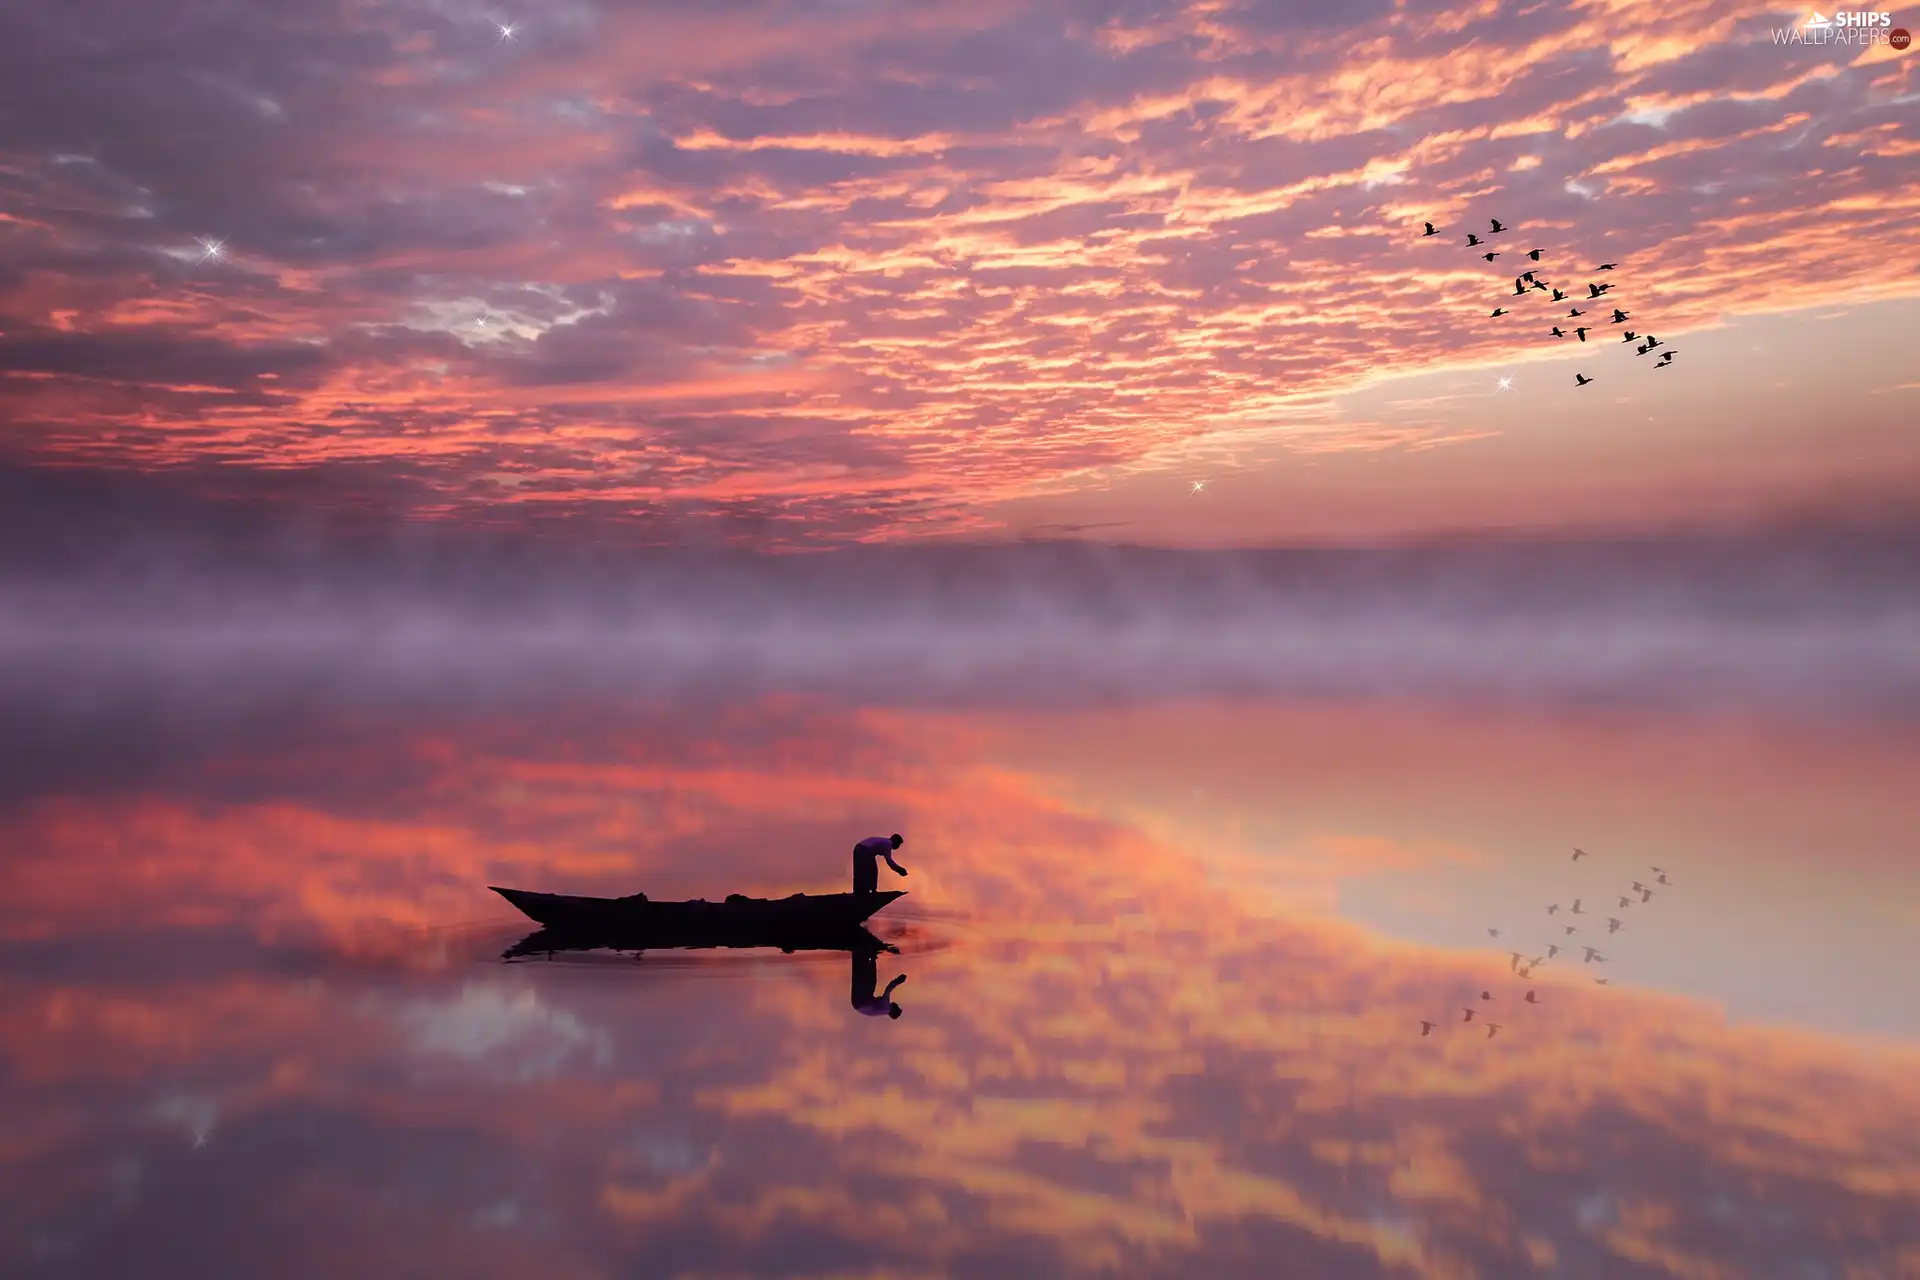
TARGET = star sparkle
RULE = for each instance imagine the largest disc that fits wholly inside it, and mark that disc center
(1505, 384)
(1199, 486)
(508, 31)
(212, 250)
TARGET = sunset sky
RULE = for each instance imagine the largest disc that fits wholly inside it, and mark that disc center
(804, 273)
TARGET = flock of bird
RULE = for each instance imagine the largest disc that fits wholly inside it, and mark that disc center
(1531, 281)
(1522, 965)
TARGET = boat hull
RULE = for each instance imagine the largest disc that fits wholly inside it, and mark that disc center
(699, 917)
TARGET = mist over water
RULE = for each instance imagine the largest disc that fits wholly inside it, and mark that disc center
(1794, 622)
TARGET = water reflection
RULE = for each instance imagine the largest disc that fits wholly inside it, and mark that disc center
(256, 1020)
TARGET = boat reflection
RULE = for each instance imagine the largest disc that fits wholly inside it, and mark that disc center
(788, 937)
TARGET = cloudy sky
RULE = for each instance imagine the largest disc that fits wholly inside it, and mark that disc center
(824, 270)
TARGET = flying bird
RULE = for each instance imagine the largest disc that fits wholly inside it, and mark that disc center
(1575, 312)
(1603, 981)
(1663, 875)
(1519, 288)
(1614, 926)
(1555, 907)
(1429, 230)
(1497, 228)
(1637, 886)
(1595, 290)
(1558, 332)
(1579, 854)
(1491, 255)
(1642, 349)
(1582, 332)
(1580, 380)
(1625, 901)
(1646, 895)
(1486, 995)
(1619, 316)
(1469, 1012)
(1572, 927)
(1534, 254)
(1541, 287)
(1493, 933)
(1606, 266)
(1558, 296)
(1553, 949)
(1426, 1028)
(1652, 342)
(1666, 358)
(1473, 240)
(1514, 964)
(1533, 997)
(1491, 1028)
(1576, 908)
(1593, 955)
(1499, 311)
(1628, 336)
(1527, 276)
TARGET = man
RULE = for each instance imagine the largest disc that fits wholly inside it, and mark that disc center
(866, 864)
(866, 976)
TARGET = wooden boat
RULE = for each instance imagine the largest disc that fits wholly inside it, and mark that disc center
(571, 911)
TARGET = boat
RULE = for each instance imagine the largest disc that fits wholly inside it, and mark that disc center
(692, 934)
(573, 911)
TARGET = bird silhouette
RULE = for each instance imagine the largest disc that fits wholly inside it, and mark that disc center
(1558, 332)
(1619, 316)
(1580, 380)
(1486, 995)
(1473, 240)
(1595, 290)
(1534, 254)
(1579, 854)
(1576, 907)
(1536, 960)
(1527, 276)
(1429, 230)
(1491, 255)
(1606, 266)
(1491, 1028)
(1666, 358)
(1497, 228)
(1525, 971)
(1499, 311)
(1575, 312)
(1663, 875)
(1614, 926)
(1538, 285)
(1426, 1028)
(1558, 296)
(1469, 1012)
(1625, 901)
(1637, 886)
(1652, 342)
(1493, 933)
(1593, 955)
(1514, 964)
(1628, 336)
(1657, 871)
(1553, 949)
(1582, 332)
(1533, 997)
(1603, 981)
(1519, 289)
(1642, 349)
(1572, 927)
(1555, 907)
(1646, 895)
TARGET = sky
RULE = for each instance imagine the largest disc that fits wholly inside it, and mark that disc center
(816, 273)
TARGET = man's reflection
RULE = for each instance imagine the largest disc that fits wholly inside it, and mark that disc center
(866, 975)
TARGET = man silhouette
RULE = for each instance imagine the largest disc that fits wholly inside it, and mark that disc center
(866, 976)
(866, 861)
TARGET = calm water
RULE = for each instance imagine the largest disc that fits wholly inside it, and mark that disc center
(1167, 967)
